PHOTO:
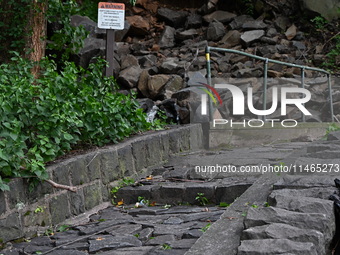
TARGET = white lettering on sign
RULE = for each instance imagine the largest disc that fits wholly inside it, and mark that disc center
(111, 15)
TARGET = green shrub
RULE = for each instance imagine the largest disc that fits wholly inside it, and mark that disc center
(41, 119)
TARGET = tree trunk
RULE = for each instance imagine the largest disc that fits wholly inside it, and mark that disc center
(36, 27)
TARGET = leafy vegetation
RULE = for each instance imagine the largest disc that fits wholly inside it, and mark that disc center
(68, 39)
(166, 247)
(331, 128)
(319, 22)
(201, 199)
(43, 118)
(205, 228)
(332, 60)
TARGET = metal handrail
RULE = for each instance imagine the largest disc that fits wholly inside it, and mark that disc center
(266, 61)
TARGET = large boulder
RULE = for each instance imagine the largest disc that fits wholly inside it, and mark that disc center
(329, 9)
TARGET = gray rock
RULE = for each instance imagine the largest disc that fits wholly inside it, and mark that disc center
(302, 182)
(303, 204)
(333, 136)
(249, 37)
(129, 76)
(126, 229)
(193, 21)
(167, 39)
(93, 47)
(161, 239)
(144, 250)
(238, 21)
(172, 18)
(146, 104)
(221, 16)
(171, 66)
(156, 84)
(231, 39)
(196, 78)
(284, 231)
(105, 242)
(281, 23)
(254, 25)
(328, 8)
(174, 84)
(67, 252)
(268, 40)
(120, 34)
(147, 61)
(215, 31)
(274, 247)
(271, 32)
(145, 234)
(186, 34)
(299, 45)
(182, 244)
(138, 25)
(143, 83)
(128, 60)
(321, 193)
(86, 22)
(317, 221)
(173, 221)
(282, 49)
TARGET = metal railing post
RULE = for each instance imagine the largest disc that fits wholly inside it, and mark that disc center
(265, 78)
(207, 58)
(330, 96)
(303, 117)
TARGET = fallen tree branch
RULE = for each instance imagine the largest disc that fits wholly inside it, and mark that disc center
(61, 186)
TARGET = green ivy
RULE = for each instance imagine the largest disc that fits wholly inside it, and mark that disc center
(41, 119)
(68, 40)
(13, 22)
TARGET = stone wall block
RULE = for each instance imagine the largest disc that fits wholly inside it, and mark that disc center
(77, 202)
(11, 228)
(93, 166)
(61, 173)
(165, 142)
(93, 195)
(125, 161)
(19, 196)
(109, 166)
(38, 215)
(78, 173)
(59, 208)
(140, 154)
(154, 151)
(174, 142)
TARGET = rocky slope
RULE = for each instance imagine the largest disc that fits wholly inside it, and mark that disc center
(161, 52)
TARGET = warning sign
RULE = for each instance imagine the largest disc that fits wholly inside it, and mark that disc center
(111, 15)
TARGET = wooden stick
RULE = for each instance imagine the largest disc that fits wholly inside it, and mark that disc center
(61, 186)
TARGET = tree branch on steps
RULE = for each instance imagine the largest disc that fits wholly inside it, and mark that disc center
(61, 186)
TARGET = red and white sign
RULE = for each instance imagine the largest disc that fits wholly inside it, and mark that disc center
(111, 15)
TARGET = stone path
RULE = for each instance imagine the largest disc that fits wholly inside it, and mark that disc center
(272, 213)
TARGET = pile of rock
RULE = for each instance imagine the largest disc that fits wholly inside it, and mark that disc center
(161, 51)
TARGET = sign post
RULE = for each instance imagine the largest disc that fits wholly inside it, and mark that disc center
(110, 17)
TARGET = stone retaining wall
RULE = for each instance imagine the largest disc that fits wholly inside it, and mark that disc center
(24, 213)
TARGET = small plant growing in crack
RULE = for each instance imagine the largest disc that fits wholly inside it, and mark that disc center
(224, 204)
(39, 209)
(205, 228)
(63, 228)
(121, 184)
(201, 199)
(166, 247)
